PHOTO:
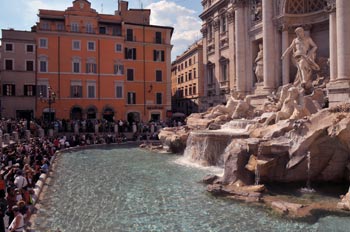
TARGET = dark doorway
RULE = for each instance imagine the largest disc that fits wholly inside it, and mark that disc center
(108, 114)
(76, 113)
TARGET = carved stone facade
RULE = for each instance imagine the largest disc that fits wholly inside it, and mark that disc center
(272, 23)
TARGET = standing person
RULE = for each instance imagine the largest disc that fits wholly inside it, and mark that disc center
(17, 224)
(11, 201)
(3, 207)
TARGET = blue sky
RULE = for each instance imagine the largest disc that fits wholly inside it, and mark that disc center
(180, 14)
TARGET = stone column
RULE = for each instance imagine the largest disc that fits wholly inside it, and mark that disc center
(333, 45)
(240, 48)
(343, 35)
(286, 60)
(231, 36)
(218, 77)
(268, 45)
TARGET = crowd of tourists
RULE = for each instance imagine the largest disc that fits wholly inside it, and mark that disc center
(23, 161)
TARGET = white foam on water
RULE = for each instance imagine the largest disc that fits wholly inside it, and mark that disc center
(185, 161)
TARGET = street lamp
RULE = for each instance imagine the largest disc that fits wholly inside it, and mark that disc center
(50, 99)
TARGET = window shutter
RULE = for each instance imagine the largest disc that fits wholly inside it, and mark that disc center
(25, 90)
(134, 53)
(121, 67)
(13, 90)
(34, 90)
(162, 53)
(126, 53)
(154, 55)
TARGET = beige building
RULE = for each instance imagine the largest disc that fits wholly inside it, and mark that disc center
(235, 30)
(218, 51)
(187, 80)
(17, 74)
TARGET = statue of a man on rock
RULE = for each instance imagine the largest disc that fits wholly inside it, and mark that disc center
(304, 53)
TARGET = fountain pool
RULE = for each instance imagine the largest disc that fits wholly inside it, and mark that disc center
(128, 189)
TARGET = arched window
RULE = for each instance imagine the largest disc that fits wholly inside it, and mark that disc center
(304, 6)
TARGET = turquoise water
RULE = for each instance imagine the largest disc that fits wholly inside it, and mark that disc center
(128, 189)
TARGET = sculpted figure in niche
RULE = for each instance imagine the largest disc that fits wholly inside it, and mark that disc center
(259, 71)
(304, 53)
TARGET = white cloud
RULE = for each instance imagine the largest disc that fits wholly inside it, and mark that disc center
(185, 22)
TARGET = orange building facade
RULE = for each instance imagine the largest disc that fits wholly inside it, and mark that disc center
(94, 66)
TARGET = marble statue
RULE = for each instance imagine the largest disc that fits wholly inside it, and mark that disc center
(304, 53)
(259, 72)
(229, 108)
(289, 105)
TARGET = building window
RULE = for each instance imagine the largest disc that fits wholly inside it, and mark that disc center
(158, 55)
(190, 90)
(43, 65)
(30, 48)
(44, 26)
(211, 74)
(159, 77)
(9, 90)
(158, 37)
(159, 98)
(42, 89)
(89, 28)
(189, 75)
(129, 35)
(194, 74)
(223, 24)
(91, 45)
(43, 43)
(117, 30)
(103, 30)
(29, 90)
(224, 70)
(9, 64)
(194, 89)
(189, 62)
(118, 48)
(76, 65)
(29, 65)
(119, 90)
(76, 45)
(210, 32)
(9, 47)
(118, 69)
(130, 74)
(74, 27)
(91, 66)
(60, 26)
(130, 53)
(91, 90)
(76, 91)
(131, 98)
